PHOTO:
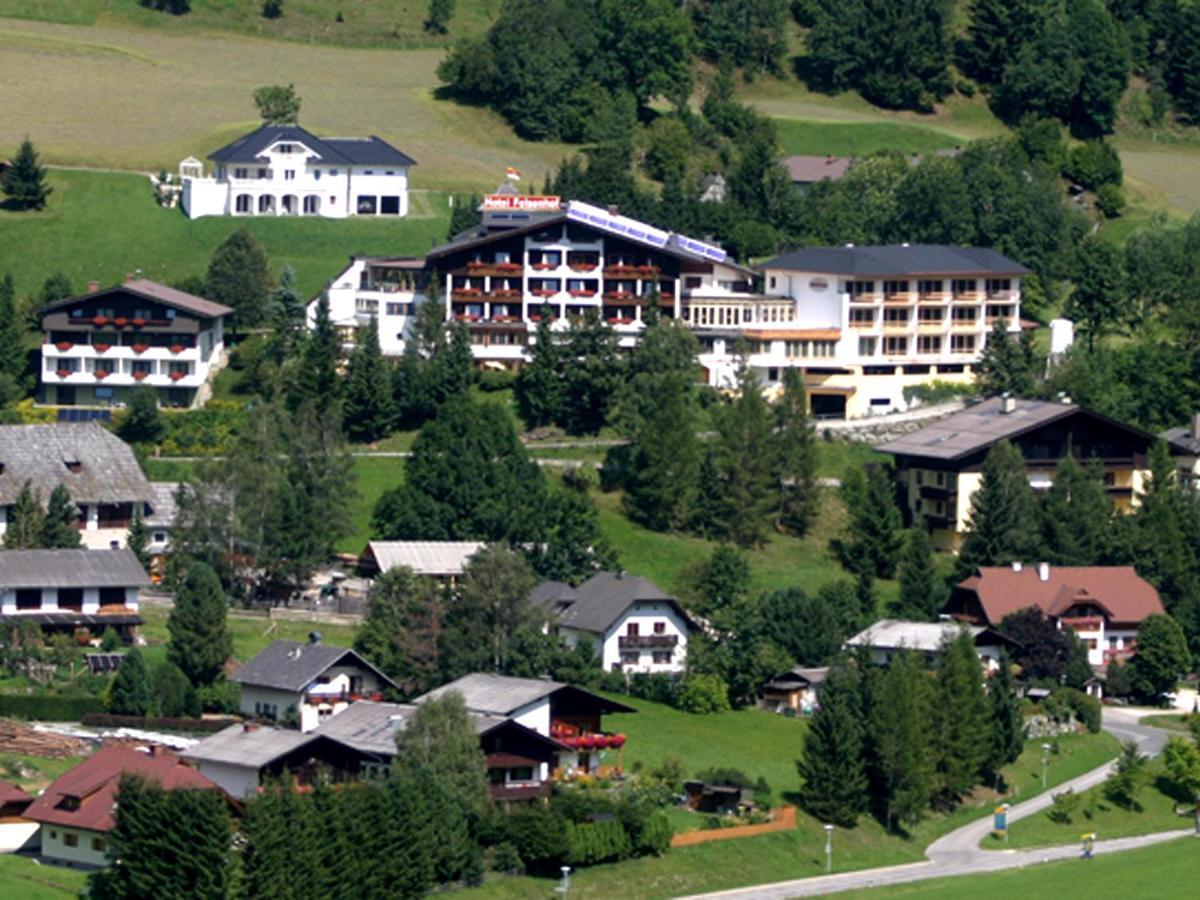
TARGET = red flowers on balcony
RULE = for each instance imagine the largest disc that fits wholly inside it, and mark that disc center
(102, 348)
(140, 348)
(594, 741)
(120, 321)
(64, 346)
(64, 373)
(138, 322)
(543, 292)
(583, 293)
(100, 320)
(545, 266)
(101, 374)
(583, 266)
(138, 376)
(177, 348)
(175, 376)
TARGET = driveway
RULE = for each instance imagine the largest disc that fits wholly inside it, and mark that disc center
(958, 852)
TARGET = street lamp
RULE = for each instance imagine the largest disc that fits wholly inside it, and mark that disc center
(828, 848)
(565, 884)
(1045, 761)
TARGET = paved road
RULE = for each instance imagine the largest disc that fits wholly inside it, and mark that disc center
(958, 852)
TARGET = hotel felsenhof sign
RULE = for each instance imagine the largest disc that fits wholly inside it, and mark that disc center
(518, 202)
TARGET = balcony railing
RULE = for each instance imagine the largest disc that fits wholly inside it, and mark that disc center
(343, 697)
(866, 298)
(643, 641)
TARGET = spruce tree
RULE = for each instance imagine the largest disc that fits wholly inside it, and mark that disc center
(1003, 525)
(664, 459)
(318, 379)
(707, 514)
(239, 276)
(1007, 734)
(131, 694)
(138, 537)
(1076, 513)
(1185, 63)
(832, 773)
(572, 548)
(900, 728)
(593, 373)
(745, 462)
(12, 343)
(961, 719)
(200, 638)
(539, 386)
(873, 539)
(58, 527)
(25, 521)
(369, 410)
(796, 457)
(922, 592)
(24, 182)
(142, 423)
(1162, 551)
(1008, 364)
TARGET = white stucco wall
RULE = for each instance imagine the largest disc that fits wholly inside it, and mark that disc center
(646, 615)
(54, 846)
(535, 716)
(235, 780)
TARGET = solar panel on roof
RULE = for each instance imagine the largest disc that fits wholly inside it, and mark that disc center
(85, 415)
(103, 663)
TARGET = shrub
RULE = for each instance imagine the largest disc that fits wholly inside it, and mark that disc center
(937, 391)
(702, 694)
(1087, 709)
(1094, 164)
(1110, 201)
(49, 709)
(210, 431)
(506, 859)
(221, 697)
(491, 381)
(657, 688)
(597, 842)
(1065, 806)
(155, 723)
(539, 836)
(655, 837)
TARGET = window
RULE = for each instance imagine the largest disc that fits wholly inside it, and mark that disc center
(999, 311)
(963, 285)
(266, 203)
(242, 204)
(70, 840)
(368, 171)
(692, 282)
(930, 286)
(520, 773)
(941, 479)
(895, 287)
(264, 173)
(631, 629)
(931, 314)
(317, 174)
(999, 285)
(102, 393)
(660, 627)
(70, 598)
(630, 659)
(312, 204)
(772, 282)
(99, 844)
(772, 375)
(964, 314)
(812, 349)
(920, 477)
(929, 343)
(333, 173)
(390, 172)
(29, 598)
(894, 346)
(662, 657)
(241, 173)
(366, 206)
(962, 343)
(397, 309)
(861, 316)
(159, 537)
(289, 175)
(894, 316)
(867, 346)
(285, 148)
(389, 206)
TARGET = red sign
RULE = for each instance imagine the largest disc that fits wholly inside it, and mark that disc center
(516, 201)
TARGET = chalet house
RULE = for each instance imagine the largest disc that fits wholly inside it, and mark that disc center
(634, 625)
(939, 467)
(284, 170)
(308, 681)
(73, 592)
(443, 560)
(888, 637)
(77, 811)
(1185, 441)
(100, 346)
(1103, 605)
(568, 715)
(803, 171)
(97, 468)
(798, 690)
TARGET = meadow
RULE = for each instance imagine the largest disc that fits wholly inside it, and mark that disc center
(22, 877)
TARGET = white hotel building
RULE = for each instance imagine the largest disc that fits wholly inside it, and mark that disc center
(864, 323)
(284, 170)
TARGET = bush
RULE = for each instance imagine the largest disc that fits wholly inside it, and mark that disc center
(657, 688)
(1086, 709)
(155, 723)
(937, 391)
(1065, 806)
(597, 842)
(655, 837)
(49, 708)
(703, 694)
(492, 381)
(1094, 164)
(506, 859)
(210, 431)
(1110, 201)
(221, 697)
(539, 836)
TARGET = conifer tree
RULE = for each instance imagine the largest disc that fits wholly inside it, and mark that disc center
(900, 727)
(572, 548)
(1008, 364)
(665, 459)
(922, 592)
(797, 456)
(172, 692)
(539, 386)
(369, 411)
(25, 521)
(239, 276)
(131, 694)
(24, 182)
(745, 462)
(593, 373)
(833, 776)
(142, 423)
(1007, 735)
(12, 343)
(1003, 525)
(961, 720)
(873, 539)
(138, 537)
(1163, 554)
(58, 527)
(707, 514)
(318, 378)
(1076, 514)
(200, 638)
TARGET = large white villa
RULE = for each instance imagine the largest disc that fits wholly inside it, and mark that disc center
(284, 170)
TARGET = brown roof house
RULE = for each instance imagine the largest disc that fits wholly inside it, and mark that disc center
(1103, 605)
(77, 811)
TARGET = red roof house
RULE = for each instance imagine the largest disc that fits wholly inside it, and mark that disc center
(79, 808)
(13, 800)
(1103, 605)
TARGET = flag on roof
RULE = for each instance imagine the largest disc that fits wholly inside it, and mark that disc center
(512, 173)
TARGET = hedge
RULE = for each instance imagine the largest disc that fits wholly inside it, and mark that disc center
(155, 723)
(48, 709)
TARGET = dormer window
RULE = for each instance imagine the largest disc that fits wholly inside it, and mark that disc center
(69, 803)
(73, 465)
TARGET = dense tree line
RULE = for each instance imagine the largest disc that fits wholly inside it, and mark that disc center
(896, 742)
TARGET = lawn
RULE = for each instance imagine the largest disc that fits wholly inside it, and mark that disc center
(814, 137)
(1161, 871)
(771, 740)
(21, 877)
(38, 771)
(1155, 811)
(75, 234)
(251, 633)
(372, 476)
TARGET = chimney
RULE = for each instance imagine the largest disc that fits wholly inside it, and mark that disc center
(1016, 564)
(1043, 571)
(314, 637)
(614, 210)
(93, 287)
(1196, 425)
(1007, 403)
(129, 276)
(248, 727)
(829, 159)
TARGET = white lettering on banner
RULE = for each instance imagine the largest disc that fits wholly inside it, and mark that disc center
(514, 201)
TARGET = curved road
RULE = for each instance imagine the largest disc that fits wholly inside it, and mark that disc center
(958, 852)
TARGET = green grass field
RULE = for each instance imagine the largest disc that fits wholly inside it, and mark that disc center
(1162, 871)
(76, 234)
(38, 771)
(21, 877)
(814, 137)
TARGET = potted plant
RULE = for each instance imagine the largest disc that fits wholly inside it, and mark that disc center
(120, 321)
(138, 321)
(64, 346)
(102, 373)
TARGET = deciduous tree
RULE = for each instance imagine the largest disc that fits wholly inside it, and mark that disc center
(278, 105)
(404, 629)
(1162, 656)
(440, 741)
(239, 276)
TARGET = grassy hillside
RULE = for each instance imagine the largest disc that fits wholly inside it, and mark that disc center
(102, 225)
(24, 878)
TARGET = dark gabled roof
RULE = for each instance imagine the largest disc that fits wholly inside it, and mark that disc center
(108, 472)
(897, 259)
(152, 290)
(603, 599)
(368, 151)
(293, 665)
(1183, 439)
(986, 423)
(70, 569)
